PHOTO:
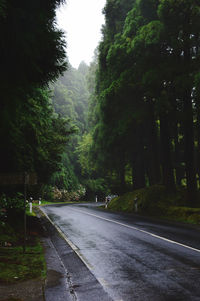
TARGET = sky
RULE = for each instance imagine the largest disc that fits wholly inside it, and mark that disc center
(82, 21)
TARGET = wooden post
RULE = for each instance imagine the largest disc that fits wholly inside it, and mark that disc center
(25, 197)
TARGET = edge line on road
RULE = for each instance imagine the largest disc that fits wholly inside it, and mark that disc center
(140, 230)
(73, 247)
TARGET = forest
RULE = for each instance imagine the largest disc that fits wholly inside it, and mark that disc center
(146, 121)
(129, 120)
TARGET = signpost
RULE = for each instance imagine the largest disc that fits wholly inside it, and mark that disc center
(26, 178)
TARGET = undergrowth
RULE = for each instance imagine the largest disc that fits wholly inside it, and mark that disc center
(156, 201)
(16, 265)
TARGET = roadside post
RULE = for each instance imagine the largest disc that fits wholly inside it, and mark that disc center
(26, 178)
(136, 204)
(106, 203)
(39, 201)
(96, 199)
(30, 207)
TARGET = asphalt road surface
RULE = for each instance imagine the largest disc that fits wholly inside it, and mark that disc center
(134, 258)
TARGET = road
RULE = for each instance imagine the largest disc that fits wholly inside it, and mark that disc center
(134, 258)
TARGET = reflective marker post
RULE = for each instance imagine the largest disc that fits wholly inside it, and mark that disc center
(106, 203)
(136, 204)
(31, 207)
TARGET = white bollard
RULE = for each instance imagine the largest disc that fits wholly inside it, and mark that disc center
(31, 207)
(106, 203)
(136, 207)
(96, 198)
(136, 204)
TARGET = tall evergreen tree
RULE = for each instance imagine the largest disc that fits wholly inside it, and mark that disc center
(31, 54)
(146, 95)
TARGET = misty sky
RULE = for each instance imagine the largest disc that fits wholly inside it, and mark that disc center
(82, 21)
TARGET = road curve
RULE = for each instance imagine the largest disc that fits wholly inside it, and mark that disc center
(134, 258)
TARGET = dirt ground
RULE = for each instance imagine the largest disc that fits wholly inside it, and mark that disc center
(30, 290)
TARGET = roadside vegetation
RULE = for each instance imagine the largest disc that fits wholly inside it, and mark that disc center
(15, 264)
(156, 201)
(128, 122)
(18, 266)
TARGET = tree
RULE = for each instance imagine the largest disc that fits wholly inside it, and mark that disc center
(181, 25)
(146, 93)
(31, 54)
(70, 99)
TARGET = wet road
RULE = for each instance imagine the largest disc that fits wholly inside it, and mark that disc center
(134, 258)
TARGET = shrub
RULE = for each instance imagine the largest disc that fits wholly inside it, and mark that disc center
(11, 206)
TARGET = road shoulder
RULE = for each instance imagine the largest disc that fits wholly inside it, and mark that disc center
(67, 275)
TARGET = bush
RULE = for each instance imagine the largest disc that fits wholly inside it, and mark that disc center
(65, 195)
(11, 206)
(151, 200)
(185, 214)
(96, 187)
(47, 192)
(156, 201)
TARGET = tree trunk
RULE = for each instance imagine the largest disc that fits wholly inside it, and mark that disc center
(166, 160)
(177, 156)
(121, 173)
(189, 127)
(152, 158)
(138, 167)
(198, 144)
(189, 150)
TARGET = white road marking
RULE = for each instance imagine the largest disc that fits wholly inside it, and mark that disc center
(103, 281)
(137, 229)
(73, 247)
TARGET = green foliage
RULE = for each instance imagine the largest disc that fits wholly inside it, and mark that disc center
(16, 266)
(47, 192)
(2, 8)
(83, 150)
(147, 94)
(70, 96)
(95, 187)
(155, 201)
(33, 49)
(150, 200)
(65, 178)
(16, 202)
(70, 99)
(184, 214)
(64, 195)
(37, 138)
(32, 54)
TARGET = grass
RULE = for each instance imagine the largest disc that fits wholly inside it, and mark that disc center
(15, 265)
(51, 203)
(184, 214)
(18, 266)
(156, 201)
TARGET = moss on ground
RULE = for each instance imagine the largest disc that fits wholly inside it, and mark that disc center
(156, 201)
(14, 264)
(17, 266)
(43, 203)
(184, 214)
